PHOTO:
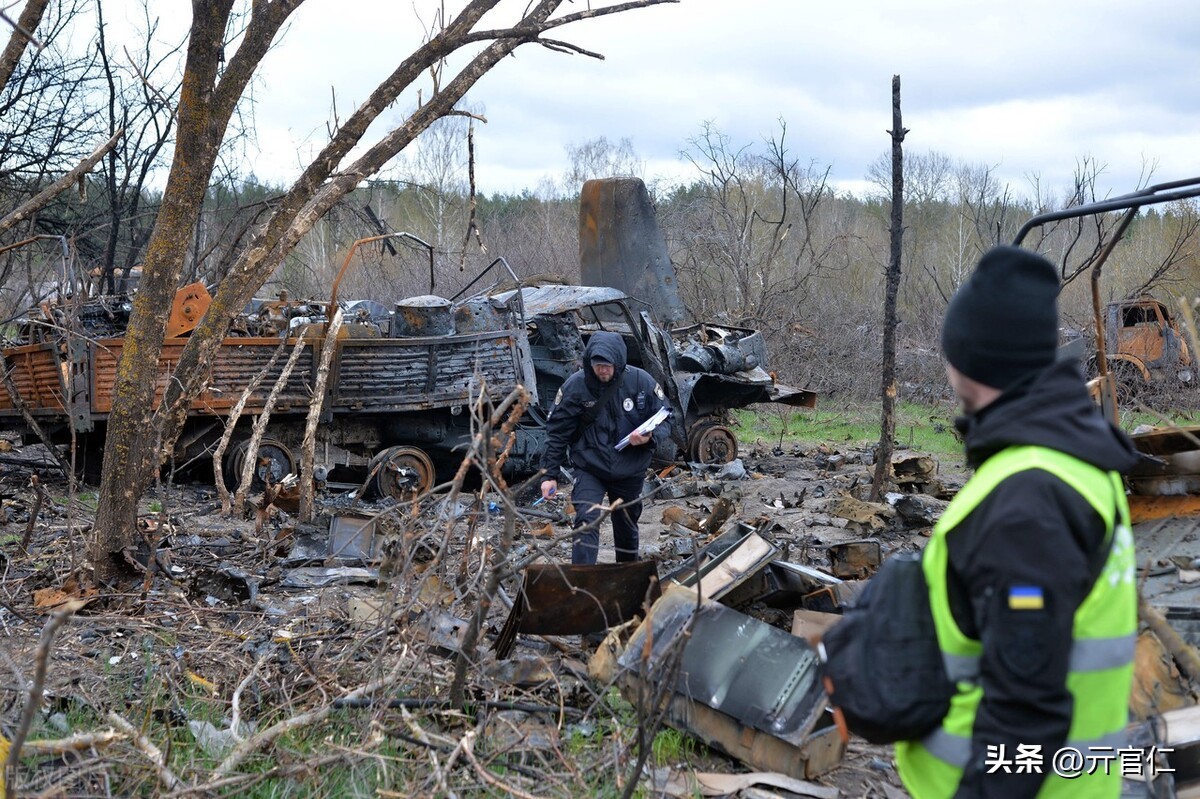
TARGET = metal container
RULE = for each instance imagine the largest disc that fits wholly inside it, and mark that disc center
(477, 315)
(426, 315)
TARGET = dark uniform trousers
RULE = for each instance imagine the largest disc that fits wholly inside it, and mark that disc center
(587, 495)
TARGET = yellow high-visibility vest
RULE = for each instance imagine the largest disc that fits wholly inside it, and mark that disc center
(1103, 635)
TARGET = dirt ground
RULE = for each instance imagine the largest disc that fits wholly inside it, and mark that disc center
(251, 619)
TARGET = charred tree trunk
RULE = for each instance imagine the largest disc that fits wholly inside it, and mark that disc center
(887, 425)
(211, 88)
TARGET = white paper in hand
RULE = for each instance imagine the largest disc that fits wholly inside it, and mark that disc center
(646, 427)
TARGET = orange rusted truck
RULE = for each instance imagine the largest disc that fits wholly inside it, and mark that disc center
(1143, 344)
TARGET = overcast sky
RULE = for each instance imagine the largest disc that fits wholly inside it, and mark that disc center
(1027, 88)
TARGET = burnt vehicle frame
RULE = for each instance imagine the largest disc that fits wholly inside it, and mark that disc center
(402, 380)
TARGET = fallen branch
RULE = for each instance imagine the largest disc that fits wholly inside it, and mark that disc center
(152, 752)
(43, 198)
(265, 737)
(73, 743)
(439, 771)
(468, 744)
(1185, 654)
(42, 660)
(236, 704)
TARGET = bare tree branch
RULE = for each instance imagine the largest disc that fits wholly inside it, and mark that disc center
(36, 203)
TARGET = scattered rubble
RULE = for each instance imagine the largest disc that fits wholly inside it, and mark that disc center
(751, 567)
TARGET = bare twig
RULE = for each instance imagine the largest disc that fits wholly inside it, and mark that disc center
(38, 500)
(34, 701)
(152, 752)
(514, 405)
(432, 748)
(43, 198)
(265, 737)
(236, 703)
(72, 743)
(308, 447)
(231, 425)
(468, 745)
(260, 427)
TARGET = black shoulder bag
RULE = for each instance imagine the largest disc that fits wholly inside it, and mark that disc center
(883, 658)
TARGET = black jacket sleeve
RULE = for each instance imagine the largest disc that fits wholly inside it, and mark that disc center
(562, 424)
(1036, 533)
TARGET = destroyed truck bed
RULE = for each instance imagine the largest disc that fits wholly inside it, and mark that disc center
(384, 375)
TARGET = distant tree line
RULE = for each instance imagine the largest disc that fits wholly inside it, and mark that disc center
(759, 240)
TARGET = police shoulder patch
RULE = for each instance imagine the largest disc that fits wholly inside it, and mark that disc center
(558, 397)
(658, 392)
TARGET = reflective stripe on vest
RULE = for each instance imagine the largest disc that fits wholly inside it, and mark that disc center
(1104, 632)
(1089, 654)
(956, 749)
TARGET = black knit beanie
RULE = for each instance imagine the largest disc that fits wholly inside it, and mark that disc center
(1002, 323)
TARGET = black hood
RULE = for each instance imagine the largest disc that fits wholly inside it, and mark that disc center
(1051, 410)
(609, 346)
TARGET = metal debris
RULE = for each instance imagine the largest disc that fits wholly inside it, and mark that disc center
(855, 560)
(773, 720)
(560, 599)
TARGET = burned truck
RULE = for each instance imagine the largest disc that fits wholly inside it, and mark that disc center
(402, 379)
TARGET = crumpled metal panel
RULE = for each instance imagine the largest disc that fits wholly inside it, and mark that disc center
(556, 299)
(35, 374)
(561, 599)
(764, 677)
(431, 372)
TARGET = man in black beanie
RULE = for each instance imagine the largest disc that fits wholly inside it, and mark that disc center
(1031, 568)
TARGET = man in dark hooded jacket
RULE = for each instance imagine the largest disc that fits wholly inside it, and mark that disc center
(595, 408)
(1031, 568)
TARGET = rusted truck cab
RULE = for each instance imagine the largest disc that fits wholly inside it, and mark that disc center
(1143, 344)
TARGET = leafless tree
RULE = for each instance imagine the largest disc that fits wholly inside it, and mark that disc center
(144, 107)
(747, 242)
(213, 84)
(887, 425)
(600, 158)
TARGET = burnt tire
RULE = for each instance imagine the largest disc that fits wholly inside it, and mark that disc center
(275, 462)
(709, 442)
(401, 473)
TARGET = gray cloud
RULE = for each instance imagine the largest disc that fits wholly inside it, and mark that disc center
(1026, 87)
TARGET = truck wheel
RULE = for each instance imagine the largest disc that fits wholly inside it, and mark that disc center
(275, 462)
(711, 443)
(402, 473)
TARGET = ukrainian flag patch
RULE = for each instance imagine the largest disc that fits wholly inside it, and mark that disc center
(1025, 597)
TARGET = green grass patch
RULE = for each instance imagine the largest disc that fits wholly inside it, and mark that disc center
(926, 428)
(671, 746)
(88, 499)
